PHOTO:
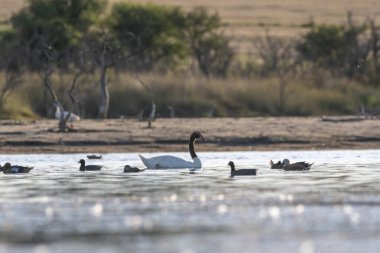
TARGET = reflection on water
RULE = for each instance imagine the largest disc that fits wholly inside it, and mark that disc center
(332, 208)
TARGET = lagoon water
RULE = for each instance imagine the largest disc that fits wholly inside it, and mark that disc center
(335, 207)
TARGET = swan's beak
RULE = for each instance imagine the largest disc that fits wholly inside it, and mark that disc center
(202, 138)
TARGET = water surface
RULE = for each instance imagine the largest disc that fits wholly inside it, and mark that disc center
(334, 207)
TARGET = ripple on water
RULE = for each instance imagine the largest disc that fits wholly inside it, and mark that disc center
(57, 208)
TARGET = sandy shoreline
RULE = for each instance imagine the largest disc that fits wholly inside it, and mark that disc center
(222, 134)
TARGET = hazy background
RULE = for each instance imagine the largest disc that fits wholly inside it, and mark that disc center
(260, 58)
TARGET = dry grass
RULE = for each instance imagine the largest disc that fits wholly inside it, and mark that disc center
(7, 7)
(195, 97)
(246, 19)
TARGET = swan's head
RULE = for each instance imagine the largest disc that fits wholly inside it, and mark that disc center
(285, 162)
(197, 135)
(232, 165)
(82, 162)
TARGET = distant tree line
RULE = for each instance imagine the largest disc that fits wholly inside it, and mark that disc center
(350, 51)
(79, 38)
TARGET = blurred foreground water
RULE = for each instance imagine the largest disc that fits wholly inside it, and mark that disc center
(335, 207)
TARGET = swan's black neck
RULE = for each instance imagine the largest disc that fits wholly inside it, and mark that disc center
(232, 165)
(191, 147)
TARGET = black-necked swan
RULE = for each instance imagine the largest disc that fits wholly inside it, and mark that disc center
(15, 169)
(173, 162)
(84, 167)
(241, 172)
(286, 165)
(130, 169)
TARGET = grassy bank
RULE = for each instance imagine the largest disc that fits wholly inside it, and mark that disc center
(195, 97)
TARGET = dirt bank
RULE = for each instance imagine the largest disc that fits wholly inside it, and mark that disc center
(222, 134)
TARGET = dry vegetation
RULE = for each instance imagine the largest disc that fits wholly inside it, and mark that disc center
(7, 7)
(274, 83)
(236, 95)
(198, 96)
(245, 19)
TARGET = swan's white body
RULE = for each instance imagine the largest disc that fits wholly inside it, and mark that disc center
(63, 114)
(171, 162)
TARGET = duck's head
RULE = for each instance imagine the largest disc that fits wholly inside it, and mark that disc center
(197, 135)
(285, 162)
(7, 166)
(127, 167)
(82, 165)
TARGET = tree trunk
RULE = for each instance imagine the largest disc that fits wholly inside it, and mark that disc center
(62, 124)
(375, 48)
(282, 84)
(152, 115)
(104, 94)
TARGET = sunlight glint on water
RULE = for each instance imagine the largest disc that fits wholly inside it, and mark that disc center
(334, 207)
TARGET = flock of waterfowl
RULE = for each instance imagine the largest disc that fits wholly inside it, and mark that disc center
(170, 162)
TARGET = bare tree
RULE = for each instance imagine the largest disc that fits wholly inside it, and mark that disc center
(278, 58)
(13, 69)
(152, 115)
(360, 46)
(104, 93)
(12, 79)
(130, 58)
(374, 43)
(104, 54)
(50, 61)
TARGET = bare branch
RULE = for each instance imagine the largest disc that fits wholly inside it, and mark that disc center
(48, 70)
(152, 115)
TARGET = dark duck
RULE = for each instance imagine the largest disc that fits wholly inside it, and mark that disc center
(130, 169)
(84, 167)
(241, 172)
(15, 169)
